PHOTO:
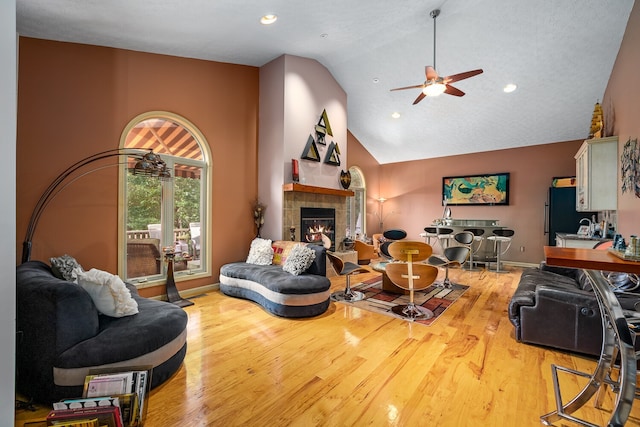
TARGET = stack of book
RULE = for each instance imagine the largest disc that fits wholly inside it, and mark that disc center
(109, 399)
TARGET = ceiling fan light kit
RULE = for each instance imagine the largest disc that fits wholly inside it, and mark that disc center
(435, 89)
(434, 85)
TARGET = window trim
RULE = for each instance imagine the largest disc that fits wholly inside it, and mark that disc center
(352, 221)
(205, 196)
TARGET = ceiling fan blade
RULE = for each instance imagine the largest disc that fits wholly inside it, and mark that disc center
(419, 98)
(453, 91)
(409, 87)
(430, 72)
(462, 76)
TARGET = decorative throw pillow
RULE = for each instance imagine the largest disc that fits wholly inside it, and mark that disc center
(63, 267)
(261, 252)
(108, 292)
(300, 259)
(281, 249)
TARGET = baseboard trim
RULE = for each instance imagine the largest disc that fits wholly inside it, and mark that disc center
(520, 264)
(188, 293)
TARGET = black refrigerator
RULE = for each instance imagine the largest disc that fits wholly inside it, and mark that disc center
(560, 213)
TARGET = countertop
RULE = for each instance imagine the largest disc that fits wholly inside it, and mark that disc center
(574, 236)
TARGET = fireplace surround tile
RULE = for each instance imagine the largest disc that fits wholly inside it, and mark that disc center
(293, 201)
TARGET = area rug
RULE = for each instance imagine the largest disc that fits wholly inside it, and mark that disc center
(433, 298)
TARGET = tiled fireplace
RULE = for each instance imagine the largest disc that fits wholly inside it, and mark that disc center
(314, 222)
(295, 200)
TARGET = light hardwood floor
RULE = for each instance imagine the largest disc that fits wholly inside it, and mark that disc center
(350, 367)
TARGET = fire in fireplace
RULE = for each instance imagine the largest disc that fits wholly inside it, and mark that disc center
(315, 222)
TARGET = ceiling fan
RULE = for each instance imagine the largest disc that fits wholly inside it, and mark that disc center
(435, 85)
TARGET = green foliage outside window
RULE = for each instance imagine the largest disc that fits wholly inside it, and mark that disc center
(144, 198)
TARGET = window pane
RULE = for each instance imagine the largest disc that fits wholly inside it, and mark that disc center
(187, 214)
(144, 232)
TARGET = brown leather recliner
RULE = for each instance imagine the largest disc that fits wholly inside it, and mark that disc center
(556, 307)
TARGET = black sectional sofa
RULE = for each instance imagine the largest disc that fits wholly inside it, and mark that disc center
(556, 307)
(60, 336)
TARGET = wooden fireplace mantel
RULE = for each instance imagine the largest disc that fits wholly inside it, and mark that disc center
(301, 188)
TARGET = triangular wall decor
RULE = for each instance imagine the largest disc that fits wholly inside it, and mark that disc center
(333, 155)
(323, 128)
(311, 150)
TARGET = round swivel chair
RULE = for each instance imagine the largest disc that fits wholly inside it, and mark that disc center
(391, 236)
(411, 274)
(479, 239)
(346, 269)
(499, 237)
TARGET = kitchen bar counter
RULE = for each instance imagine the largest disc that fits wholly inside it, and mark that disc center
(617, 340)
(486, 251)
(590, 259)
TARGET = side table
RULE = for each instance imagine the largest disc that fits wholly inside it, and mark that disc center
(172, 292)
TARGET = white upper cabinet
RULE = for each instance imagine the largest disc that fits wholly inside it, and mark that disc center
(597, 175)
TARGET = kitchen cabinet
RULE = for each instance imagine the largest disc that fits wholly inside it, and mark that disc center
(597, 175)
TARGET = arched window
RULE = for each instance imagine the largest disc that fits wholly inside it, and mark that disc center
(357, 209)
(160, 214)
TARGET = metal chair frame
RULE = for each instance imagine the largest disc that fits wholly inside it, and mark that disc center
(454, 256)
(500, 236)
(478, 236)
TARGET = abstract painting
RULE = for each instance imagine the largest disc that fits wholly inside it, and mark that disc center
(490, 189)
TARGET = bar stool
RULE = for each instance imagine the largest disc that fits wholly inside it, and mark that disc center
(499, 237)
(346, 269)
(477, 238)
(437, 234)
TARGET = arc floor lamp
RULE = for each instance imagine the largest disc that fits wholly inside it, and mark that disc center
(147, 163)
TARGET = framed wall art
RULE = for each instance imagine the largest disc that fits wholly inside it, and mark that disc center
(489, 189)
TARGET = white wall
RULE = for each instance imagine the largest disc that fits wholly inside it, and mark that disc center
(8, 115)
(309, 89)
(293, 93)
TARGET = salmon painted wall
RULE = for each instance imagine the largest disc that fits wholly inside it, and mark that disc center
(414, 190)
(360, 157)
(620, 105)
(75, 100)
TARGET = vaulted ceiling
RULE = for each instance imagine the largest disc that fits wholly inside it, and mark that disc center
(559, 54)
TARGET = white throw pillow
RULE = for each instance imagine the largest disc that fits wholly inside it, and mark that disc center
(261, 252)
(108, 291)
(300, 258)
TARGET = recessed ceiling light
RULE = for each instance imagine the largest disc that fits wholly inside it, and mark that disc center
(268, 19)
(395, 115)
(510, 88)
(376, 80)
